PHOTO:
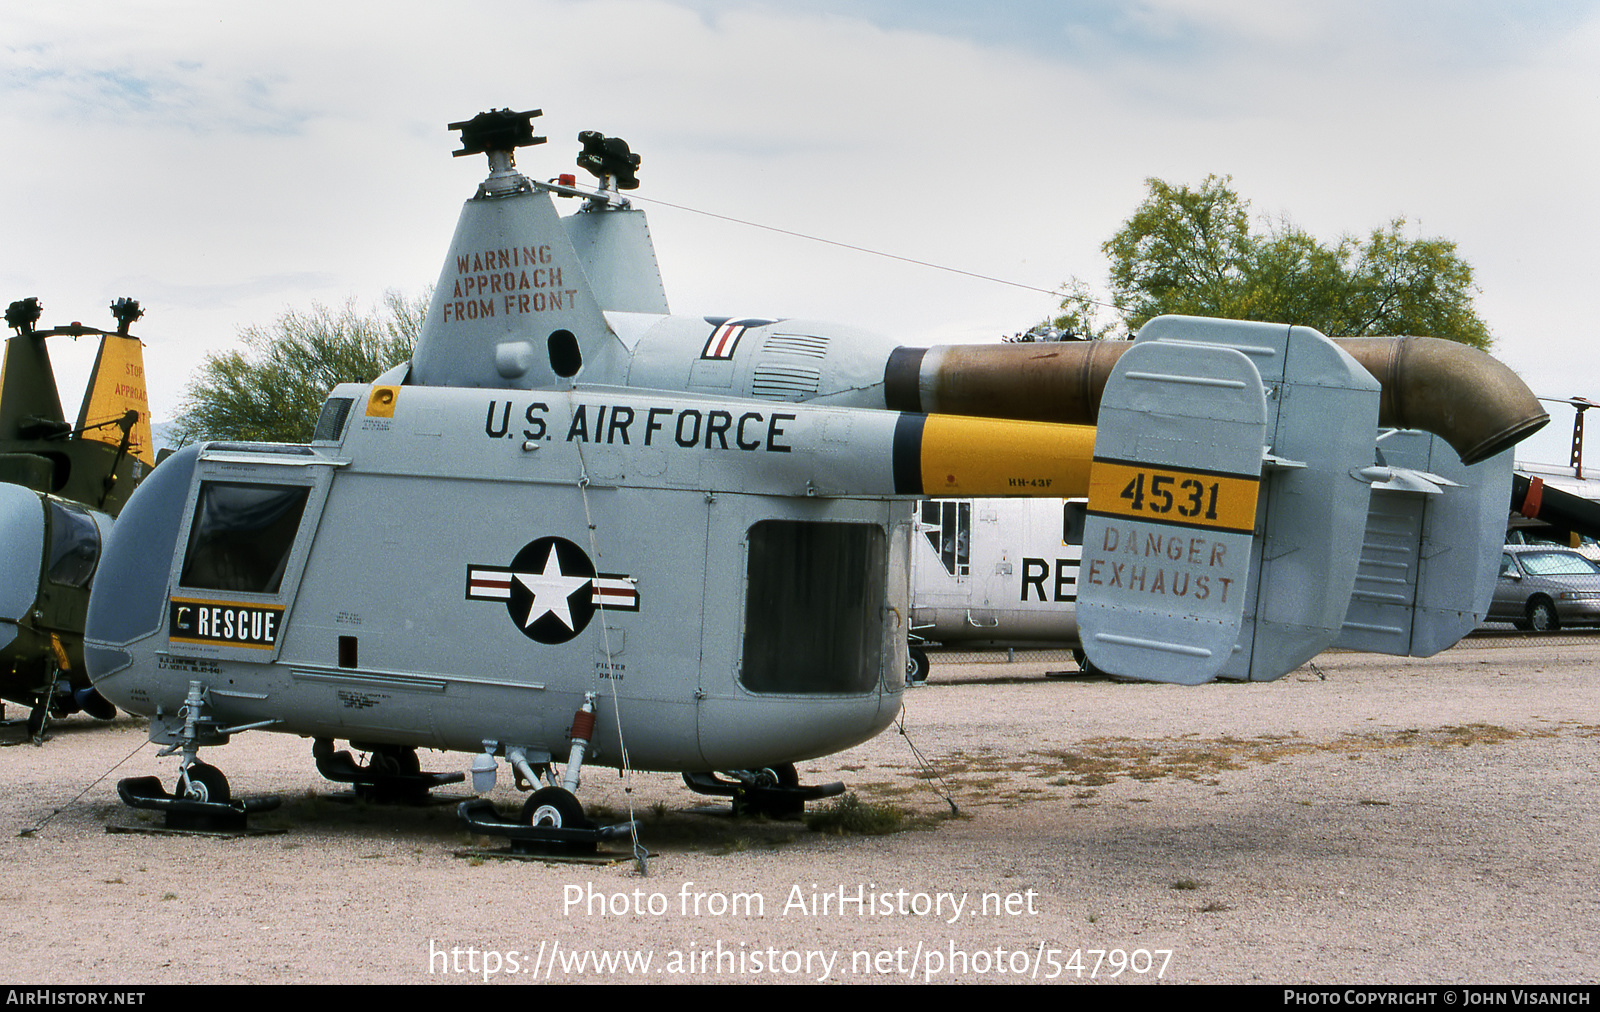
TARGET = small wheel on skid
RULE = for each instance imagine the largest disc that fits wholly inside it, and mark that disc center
(1542, 615)
(782, 775)
(554, 807)
(916, 666)
(206, 783)
(751, 797)
(1085, 665)
(394, 761)
(94, 704)
(38, 720)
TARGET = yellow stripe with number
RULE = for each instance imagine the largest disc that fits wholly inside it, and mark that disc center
(964, 456)
(1170, 495)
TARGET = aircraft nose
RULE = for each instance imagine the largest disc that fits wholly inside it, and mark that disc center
(21, 555)
(129, 601)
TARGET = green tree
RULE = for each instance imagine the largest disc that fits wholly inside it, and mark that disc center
(1193, 252)
(273, 391)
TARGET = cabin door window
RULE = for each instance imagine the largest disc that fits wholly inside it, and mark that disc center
(813, 608)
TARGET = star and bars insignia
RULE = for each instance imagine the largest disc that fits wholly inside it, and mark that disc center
(551, 589)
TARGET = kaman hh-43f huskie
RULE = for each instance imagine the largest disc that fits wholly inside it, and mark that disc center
(577, 528)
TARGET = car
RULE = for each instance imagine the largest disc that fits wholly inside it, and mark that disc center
(1543, 588)
(1587, 547)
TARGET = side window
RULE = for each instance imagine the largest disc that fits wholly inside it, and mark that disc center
(949, 531)
(1072, 517)
(813, 607)
(330, 423)
(241, 536)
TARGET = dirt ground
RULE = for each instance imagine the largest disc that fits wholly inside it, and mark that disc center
(1363, 820)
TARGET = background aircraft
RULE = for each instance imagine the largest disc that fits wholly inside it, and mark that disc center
(60, 487)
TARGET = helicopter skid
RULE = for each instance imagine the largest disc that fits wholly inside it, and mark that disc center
(382, 787)
(756, 796)
(187, 814)
(482, 817)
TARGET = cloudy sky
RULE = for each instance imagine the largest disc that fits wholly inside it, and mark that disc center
(222, 162)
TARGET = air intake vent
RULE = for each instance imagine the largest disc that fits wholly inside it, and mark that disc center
(785, 382)
(808, 345)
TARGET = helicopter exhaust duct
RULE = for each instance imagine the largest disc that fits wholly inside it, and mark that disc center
(1469, 399)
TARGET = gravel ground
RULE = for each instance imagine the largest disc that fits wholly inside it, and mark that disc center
(1363, 820)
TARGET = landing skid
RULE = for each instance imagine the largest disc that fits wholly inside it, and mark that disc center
(191, 814)
(201, 798)
(773, 791)
(482, 817)
(392, 777)
(53, 704)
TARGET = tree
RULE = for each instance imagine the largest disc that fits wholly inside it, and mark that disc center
(1193, 252)
(275, 393)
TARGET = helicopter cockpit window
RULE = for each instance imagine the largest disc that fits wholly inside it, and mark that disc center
(812, 615)
(242, 535)
(330, 424)
(74, 545)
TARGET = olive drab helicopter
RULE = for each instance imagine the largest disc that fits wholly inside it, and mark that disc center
(575, 528)
(60, 487)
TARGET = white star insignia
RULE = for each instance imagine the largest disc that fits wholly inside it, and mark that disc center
(550, 590)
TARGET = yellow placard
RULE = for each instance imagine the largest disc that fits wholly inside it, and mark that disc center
(1170, 495)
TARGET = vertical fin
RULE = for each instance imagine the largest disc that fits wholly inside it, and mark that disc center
(27, 386)
(1172, 512)
(117, 387)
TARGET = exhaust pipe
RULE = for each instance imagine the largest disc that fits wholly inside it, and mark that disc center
(1462, 395)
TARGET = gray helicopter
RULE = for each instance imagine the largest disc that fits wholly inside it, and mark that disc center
(577, 529)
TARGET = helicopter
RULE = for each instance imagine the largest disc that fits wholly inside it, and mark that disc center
(994, 573)
(60, 487)
(578, 529)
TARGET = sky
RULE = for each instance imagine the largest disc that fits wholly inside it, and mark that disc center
(223, 162)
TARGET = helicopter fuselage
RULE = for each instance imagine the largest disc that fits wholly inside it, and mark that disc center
(519, 550)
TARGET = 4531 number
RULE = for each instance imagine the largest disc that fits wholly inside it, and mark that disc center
(1192, 495)
(1220, 502)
